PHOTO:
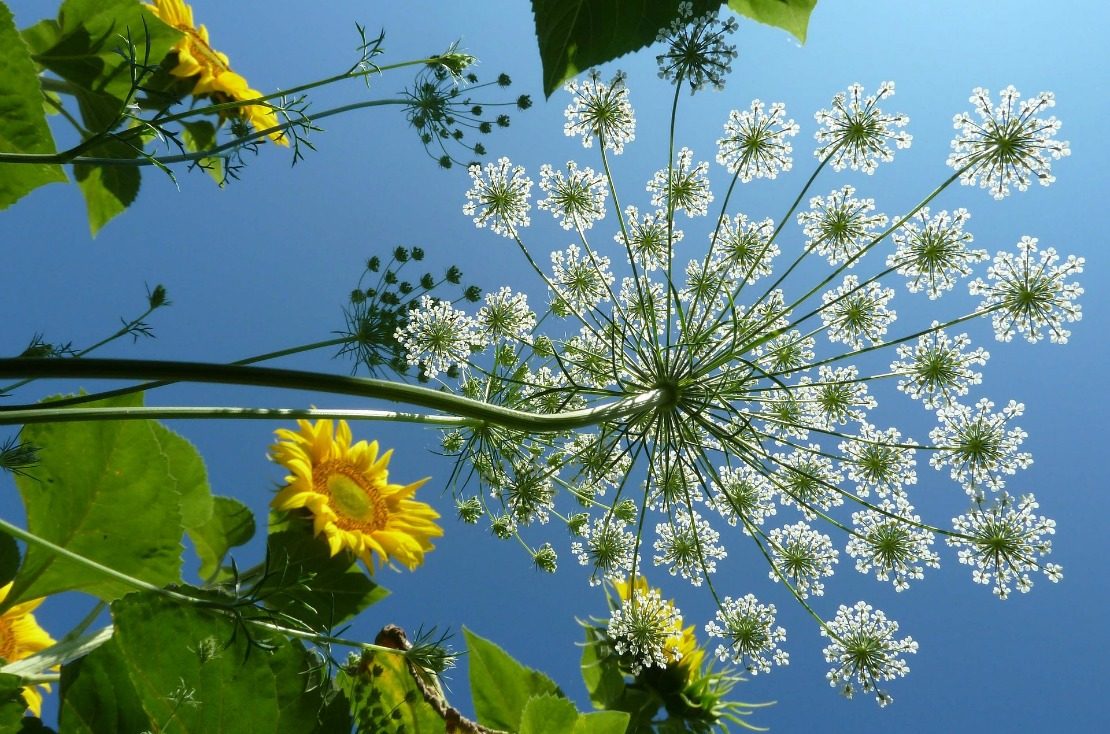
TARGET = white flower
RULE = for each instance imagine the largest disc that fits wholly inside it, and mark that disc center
(582, 282)
(857, 314)
(438, 336)
(856, 134)
(743, 249)
(1007, 145)
(682, 187)
(803, 557)
(696, 50)
(506, 316)
(643, 628)
(498, 199)
(602, 111)
(839, 395)
(578, 199)
(689, 545)
(650, 240)
(1029, 293)
(744, 495)
(755, 144)
(748, 627)
(977, 446)
(807, 480)
(879, 461)
(862, 647)
(607, 545)
(932, 253)
(841, 226)
(936, 368)
(895, 549)
(1004, 542)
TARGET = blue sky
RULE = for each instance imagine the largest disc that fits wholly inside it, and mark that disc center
(268, 262)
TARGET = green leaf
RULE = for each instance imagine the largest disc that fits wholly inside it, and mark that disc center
(12, 705)
(83, 45)
(601, 673)
(548, 714)
(201, 135)
(102, 489)
(9, 558)
(500, 685)
(574, 35)
(309, 584)
(97, 694)
(187, 468)
(385, 698)
(231, 525)
(23, 127)
(602, 722)
(790, 15)
(108, 189)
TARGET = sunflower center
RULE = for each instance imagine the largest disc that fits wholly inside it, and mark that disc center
(354, 498)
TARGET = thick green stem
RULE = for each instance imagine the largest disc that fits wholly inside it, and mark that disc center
(366, 387)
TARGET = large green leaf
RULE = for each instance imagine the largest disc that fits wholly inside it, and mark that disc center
(102, 489)
(231, 525)
(12, 704)
(384, 697)
(187, 468)
(575, 35)
(97, 695)
(790, 15)
(84, 44)
(309, 584)
(601, 673)
(548, 714)
(23, 127)
(194, 668)
(602, 722)
(108, 189)
(500, 685)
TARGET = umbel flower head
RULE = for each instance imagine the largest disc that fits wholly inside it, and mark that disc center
(737, 413)
(20, 637)
(210, 69)
(345, 487)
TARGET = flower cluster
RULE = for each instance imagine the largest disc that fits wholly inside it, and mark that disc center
(688, 397)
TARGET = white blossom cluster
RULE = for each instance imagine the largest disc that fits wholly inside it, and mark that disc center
(727, 398)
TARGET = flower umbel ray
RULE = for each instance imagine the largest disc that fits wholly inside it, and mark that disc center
(211, 69)
(345, 487)
(20, 637)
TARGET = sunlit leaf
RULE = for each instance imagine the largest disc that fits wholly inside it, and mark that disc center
(385, 698)
(231, 525)
(601, 722)
(102, 489)
(601, 674)
(790, 15)
(500, 685)
(548, 714)
(23, 127)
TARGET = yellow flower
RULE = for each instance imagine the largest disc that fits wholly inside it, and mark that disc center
(346, 489)
(211, 70)
(690, 656)
(21, 637)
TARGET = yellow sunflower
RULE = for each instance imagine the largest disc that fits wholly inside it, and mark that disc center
(682, 638)
(21, 637)
(211, 70)
(346, 488)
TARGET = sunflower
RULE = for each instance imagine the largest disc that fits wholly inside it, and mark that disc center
(21, 637)
(210, 69)
(346, 489)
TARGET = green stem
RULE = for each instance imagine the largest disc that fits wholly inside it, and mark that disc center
(336, 384)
